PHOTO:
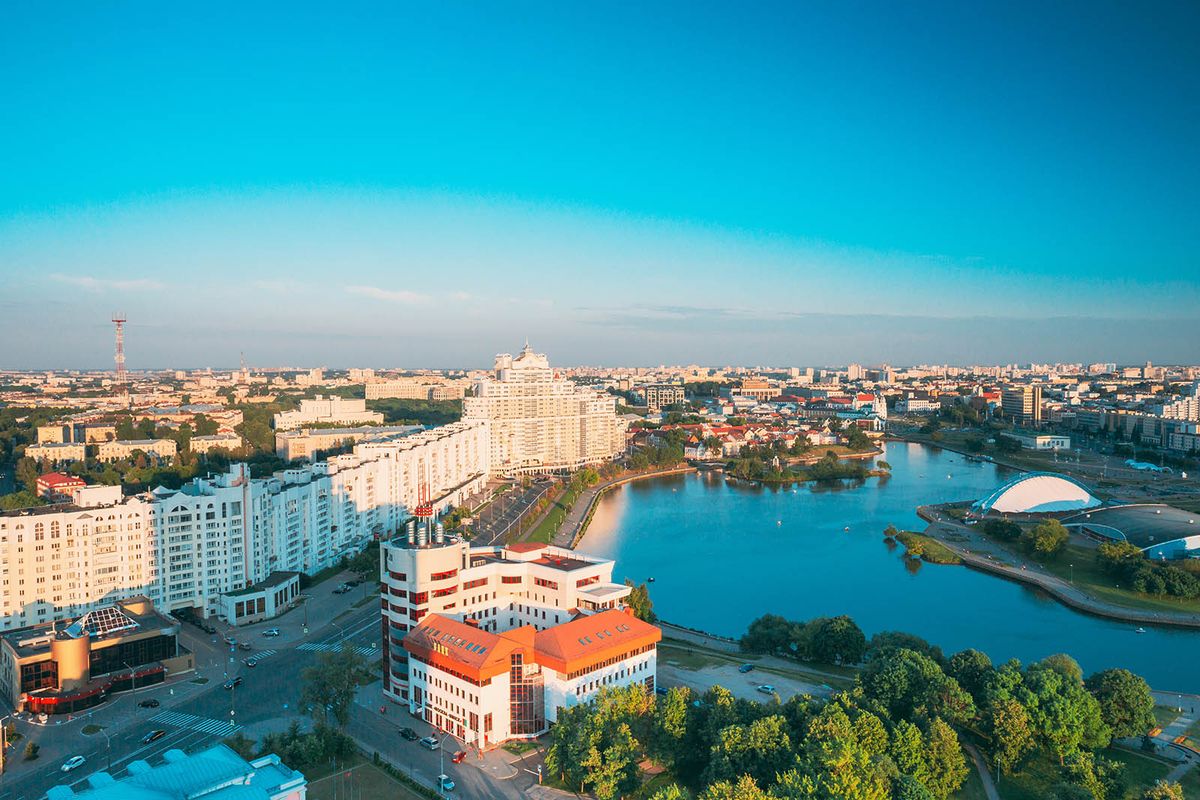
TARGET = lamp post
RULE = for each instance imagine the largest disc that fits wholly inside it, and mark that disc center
(132, 680)
(442, 763)
(1072, 573)
(107, 750)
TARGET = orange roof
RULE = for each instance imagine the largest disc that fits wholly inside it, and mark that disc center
(525, 547)
(60, 479)
(588, 640)
(456, 646)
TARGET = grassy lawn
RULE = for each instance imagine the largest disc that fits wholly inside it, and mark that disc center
(660, 781)
(1187, 505)
(1089, 577)
(1191, 782)
(544, 531)
(1164, 715)
(365, 780)
(520, 748)
(91, 729)
(1039, 776)
(930, 550)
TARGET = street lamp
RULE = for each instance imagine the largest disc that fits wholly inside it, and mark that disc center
(442, 763)
(107, 750)
(1072, 573)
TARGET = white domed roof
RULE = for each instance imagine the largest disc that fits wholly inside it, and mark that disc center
(1038, 492)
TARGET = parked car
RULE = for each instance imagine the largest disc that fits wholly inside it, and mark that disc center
(660, 690)
(408, 734)
(151, 703)
(458, 757)
(430, 743)
(271, 632)
(767, 688)
(232, 682)
(230, 640)
(343, 588)
(74, 762)
(746, 668)
(153, 736)
(445, 782)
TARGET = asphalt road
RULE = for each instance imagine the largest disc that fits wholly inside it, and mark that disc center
(268, 694)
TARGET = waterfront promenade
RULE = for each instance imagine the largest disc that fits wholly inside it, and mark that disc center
(979, 552)
(575, 524)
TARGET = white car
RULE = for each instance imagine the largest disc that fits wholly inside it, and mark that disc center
(271, 632)
(74, 762)
(430, 743)
(767, 688)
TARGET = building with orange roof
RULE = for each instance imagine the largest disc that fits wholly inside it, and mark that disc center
(487, 687)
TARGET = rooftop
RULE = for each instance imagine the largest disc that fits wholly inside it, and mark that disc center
(1141, 525)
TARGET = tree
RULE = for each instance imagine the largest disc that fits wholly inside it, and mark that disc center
(670, 724)
(1002, 529)
(761, 750)
(31, 750)
(971, 668)
(769, 634)
(835, 640)
(611, 764)
(910, 685)
(1126, 705)
(1012, 735)
(1047, 539)
(946, 763)
(328, 686)
(908, 788)
(639, 601)
(1164, 791)
(242, 744)
(744, 789)
(672, 792)
(1065, 716)
(889, 641)
(907, 750)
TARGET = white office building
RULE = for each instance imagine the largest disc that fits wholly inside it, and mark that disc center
(327, 410)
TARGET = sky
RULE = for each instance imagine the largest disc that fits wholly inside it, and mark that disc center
(424, 185)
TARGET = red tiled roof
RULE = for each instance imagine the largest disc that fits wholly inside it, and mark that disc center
(53, 479)
(589, 640)
(458, 647)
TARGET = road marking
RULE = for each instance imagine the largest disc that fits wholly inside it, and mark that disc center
(218, 727)
(321, 647)
(260, 655)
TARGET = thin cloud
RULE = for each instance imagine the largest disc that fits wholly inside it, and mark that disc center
(93, 284)
(281, 287)
(389, 295)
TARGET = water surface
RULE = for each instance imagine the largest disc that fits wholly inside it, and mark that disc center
(723, 553)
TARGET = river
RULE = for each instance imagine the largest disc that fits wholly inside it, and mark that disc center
(723, 553)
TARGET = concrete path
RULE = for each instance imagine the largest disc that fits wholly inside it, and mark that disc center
(985, 777)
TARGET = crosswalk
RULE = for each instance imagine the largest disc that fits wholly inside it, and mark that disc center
(192, 722)
(322, 647)
(261, 654)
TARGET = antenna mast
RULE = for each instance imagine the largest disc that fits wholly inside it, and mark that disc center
(119, 319)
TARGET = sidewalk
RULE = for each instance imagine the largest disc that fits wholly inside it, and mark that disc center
(572, 527)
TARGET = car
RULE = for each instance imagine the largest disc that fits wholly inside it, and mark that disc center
(445, 782)
(271, 632)
(74, 762)
(232, 682)
(151, 703)
(744, 668)
(660, 690)
(430, 743)
(767, 688)
(245, 646)
(153, 736)
(230, 640)
(408, 734)
(342, 589)
(458, 757)
(351, 584)
(250, 662)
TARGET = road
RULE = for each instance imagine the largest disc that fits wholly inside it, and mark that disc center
(193, 715)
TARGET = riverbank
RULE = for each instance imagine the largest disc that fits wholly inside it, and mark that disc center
(985, 556)
(580, 513)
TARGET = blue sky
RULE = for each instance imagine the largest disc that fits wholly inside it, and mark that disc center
(424, 185)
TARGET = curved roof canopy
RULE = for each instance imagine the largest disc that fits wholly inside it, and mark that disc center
(1038, 492)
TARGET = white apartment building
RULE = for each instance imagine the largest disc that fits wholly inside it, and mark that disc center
(416, 389)
(185, 548)
(56, 452)
(58, 562)
(217, 441)
(308, 442)
(541, 422)
(327, 410)
(125, 448)
(489, 642)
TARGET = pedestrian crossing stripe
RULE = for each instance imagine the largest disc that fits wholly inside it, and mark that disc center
(192, 722)
(334, 648)
(261, 654)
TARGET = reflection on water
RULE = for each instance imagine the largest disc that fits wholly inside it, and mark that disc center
(724, 552)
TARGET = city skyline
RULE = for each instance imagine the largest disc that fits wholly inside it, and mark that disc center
(787, 185)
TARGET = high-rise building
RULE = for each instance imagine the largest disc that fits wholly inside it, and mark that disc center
(541, 422)
(1022, 404)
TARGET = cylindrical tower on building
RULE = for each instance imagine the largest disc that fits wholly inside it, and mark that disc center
(72, 654)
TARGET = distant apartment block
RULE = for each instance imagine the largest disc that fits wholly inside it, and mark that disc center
(657, 396)
(53, 434)
(1039, 441)
(308, 442)
(161, 449)
(416, 389)
(327, 411)
(218, 441)
(754, 388)
(56, 452)
(58, 487)
(541, 422)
